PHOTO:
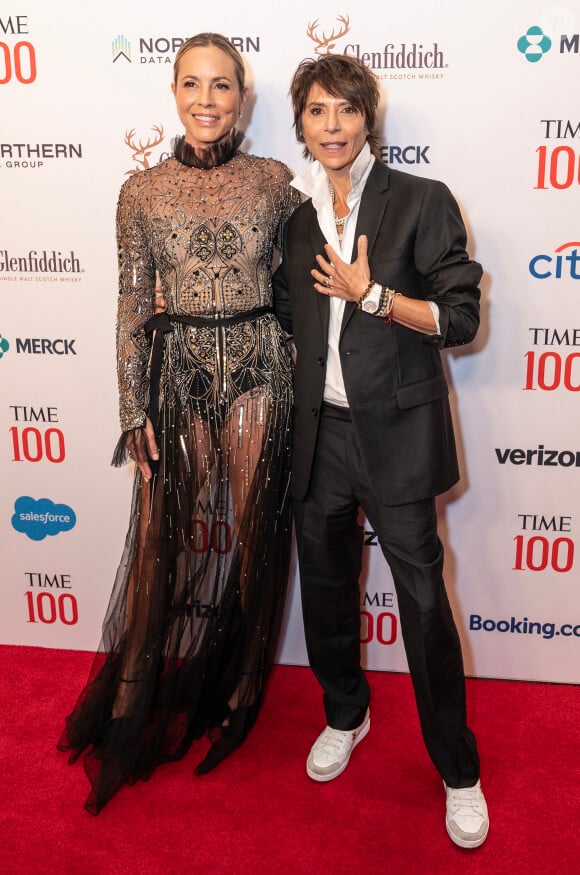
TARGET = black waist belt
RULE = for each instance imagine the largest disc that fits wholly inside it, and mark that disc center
(162, 324)
(336, 411)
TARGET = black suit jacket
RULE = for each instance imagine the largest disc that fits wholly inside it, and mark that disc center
(393, 376)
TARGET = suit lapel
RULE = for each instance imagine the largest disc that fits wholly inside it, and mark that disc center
(317, 241)
(373, 205)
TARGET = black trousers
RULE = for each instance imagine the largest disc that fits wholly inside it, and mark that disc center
(330, 543)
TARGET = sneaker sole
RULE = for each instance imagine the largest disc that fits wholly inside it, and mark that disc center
(465, 843)
(322, 779)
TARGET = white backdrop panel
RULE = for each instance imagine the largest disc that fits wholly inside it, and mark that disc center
(82, 108)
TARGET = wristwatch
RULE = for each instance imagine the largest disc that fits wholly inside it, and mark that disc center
(372, 301)
(370, 306)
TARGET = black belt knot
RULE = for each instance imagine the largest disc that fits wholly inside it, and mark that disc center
(162, 323)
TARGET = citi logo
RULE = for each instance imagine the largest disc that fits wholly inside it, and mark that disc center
(564, 263)
(541, 456)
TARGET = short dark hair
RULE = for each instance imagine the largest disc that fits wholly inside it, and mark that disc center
(341, 76)
(220, 42)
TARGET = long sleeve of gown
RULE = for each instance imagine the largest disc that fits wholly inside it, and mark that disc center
(135, 306)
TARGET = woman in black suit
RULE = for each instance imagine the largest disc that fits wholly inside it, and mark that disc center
(375, 281)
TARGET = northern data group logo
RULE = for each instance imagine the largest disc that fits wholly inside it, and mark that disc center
(121, 49)
(160, 49)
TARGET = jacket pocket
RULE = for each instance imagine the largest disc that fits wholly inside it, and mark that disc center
(423, 392)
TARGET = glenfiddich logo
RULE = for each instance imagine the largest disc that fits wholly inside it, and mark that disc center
(403, 60)
(327, 43)
(142, 151)
(35, 261)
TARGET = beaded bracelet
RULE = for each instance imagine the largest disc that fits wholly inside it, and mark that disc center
(386, 301)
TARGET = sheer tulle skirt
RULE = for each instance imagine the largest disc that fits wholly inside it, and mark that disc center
(193, 620)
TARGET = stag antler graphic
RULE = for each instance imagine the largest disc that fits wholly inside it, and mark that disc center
(143, 149)
(326, 44)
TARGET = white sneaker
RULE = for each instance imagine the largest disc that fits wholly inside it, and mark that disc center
(467, 820)
(332, 749)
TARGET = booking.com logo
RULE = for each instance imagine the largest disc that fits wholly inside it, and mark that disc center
(37, 519)
(534, 44)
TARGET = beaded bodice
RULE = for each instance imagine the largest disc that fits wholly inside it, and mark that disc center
(210, 236)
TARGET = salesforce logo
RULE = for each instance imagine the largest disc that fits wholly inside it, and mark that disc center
(4, 346)
(37, 519)
(534, 44)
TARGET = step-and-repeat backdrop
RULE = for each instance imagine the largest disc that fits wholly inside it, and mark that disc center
(481, 95)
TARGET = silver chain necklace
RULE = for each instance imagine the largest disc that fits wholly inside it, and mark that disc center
(340, 223)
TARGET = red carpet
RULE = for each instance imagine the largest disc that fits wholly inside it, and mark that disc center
(258, 812)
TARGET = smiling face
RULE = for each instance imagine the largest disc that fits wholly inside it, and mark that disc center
(207, 95)
(334, 131)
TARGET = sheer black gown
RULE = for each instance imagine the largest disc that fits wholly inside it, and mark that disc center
(194, 616)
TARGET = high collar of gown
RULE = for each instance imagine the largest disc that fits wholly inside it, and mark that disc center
(214, 156)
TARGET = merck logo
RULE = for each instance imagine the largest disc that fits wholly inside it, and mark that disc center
(534, 44)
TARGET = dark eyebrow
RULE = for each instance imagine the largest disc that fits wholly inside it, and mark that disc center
(323, 103)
